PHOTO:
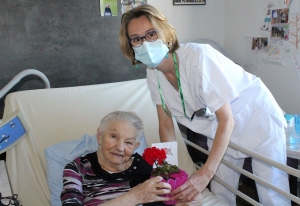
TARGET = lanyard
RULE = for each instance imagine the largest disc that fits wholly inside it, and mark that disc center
(180, 92)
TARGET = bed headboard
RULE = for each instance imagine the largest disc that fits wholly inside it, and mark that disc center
(60, 114)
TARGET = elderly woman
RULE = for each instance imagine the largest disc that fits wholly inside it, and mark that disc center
(113, 175)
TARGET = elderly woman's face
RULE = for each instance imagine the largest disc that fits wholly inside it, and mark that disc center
(117, 143)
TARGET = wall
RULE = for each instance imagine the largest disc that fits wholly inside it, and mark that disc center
(73, 45)
(67, 40)
(246, 18)
(194, 21)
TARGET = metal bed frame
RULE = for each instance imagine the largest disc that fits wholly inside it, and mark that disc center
(21, 75)
(289, 170)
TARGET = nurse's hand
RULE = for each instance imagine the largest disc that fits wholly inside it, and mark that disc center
(192, 188)
(197, 202)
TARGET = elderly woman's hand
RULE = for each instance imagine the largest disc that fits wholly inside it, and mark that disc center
(151, 190)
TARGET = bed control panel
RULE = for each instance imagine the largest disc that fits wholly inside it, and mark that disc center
(11, 131)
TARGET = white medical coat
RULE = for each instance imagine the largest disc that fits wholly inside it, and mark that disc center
(208, 78)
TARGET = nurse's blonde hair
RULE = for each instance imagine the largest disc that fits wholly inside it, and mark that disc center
(166, 32)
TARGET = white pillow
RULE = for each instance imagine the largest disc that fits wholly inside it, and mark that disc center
(60, 154)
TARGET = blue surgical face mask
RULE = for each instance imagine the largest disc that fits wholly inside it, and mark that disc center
(151, 53)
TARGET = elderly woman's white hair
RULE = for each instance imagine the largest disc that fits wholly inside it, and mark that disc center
(123, 116)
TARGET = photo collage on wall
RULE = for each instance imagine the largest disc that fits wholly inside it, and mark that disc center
(279, 23)
(274, 34)
(276, 22)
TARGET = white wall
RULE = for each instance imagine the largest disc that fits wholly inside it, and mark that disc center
(194, 21)
(244, 17)
(226, 22)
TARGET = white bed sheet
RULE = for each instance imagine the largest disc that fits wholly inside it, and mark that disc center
(60, 114)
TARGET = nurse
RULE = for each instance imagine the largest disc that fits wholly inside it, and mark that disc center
(211, 95)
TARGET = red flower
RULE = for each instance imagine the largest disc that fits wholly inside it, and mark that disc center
(153, 154)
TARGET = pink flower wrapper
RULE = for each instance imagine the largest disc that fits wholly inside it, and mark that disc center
(175, 180)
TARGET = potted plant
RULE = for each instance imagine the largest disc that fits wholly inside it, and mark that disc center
(170, 173)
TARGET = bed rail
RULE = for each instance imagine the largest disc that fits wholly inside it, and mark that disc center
(21, 75)
(285, 168)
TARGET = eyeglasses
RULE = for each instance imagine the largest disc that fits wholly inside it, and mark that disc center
(137, 41)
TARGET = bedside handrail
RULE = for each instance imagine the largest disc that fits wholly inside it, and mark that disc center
(22, 74)
(262, 158)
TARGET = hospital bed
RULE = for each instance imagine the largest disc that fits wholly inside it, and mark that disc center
(60, 124)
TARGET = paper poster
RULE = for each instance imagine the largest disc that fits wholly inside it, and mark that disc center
(296, 61)
(294, 30)
(251, 58)
(171, 151)
(276, 53)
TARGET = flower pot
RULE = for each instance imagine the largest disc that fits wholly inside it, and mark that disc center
(175, 180)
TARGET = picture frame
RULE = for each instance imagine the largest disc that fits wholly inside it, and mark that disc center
(189, 2)
(127, 5)
(108, 8)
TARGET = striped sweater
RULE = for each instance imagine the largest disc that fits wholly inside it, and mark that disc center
(86, 183)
